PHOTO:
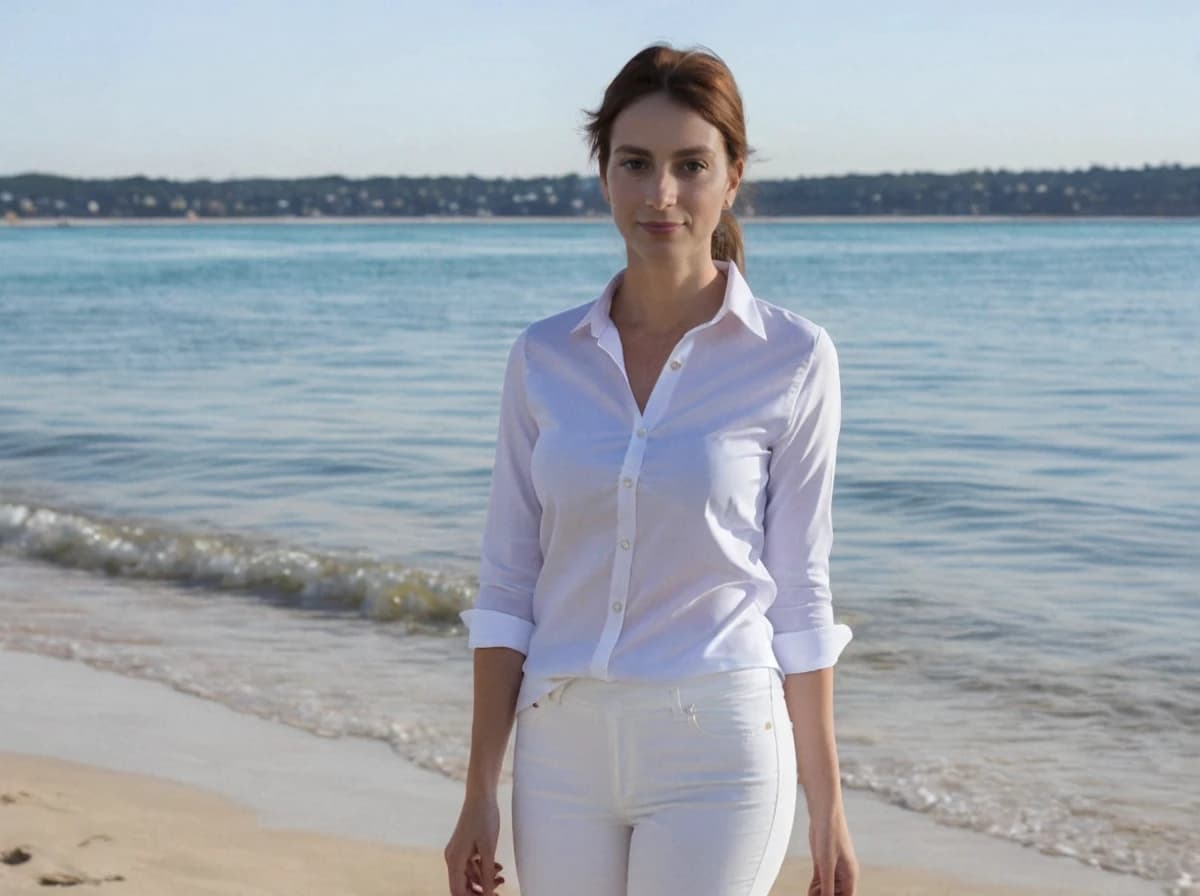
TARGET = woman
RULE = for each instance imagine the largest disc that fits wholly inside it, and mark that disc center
(653, 603)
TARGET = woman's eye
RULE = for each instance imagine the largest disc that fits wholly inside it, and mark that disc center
(692, 166)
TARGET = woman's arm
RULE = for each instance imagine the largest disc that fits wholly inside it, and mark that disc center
(809, 697)
(471, 853)
(511, 554)
(501, 619)
(807, 640)
(798, 539)
(497, 681)
(798, 520)
(501, 626)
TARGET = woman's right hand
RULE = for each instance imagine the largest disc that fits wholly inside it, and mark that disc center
(472, 848)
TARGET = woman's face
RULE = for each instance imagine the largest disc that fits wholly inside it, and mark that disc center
(667, 165)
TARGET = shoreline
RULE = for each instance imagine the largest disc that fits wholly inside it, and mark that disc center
(589, 219)
(256, 806)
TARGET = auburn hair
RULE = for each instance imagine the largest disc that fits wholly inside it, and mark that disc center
(695, 78)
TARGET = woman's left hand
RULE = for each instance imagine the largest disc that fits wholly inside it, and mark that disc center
(835, 868)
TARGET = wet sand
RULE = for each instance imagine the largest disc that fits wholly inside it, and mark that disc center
(133, 787)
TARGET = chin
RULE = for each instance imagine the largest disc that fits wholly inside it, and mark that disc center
(664, 248)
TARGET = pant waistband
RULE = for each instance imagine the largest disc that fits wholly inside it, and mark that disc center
(631, 695)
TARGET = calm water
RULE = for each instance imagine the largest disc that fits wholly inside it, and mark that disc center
(251, 461)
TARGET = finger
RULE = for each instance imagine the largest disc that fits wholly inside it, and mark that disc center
(474, 880)
(487, 859)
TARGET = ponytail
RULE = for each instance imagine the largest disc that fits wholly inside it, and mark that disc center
(727, 243)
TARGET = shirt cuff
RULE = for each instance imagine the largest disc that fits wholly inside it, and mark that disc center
(816, 648)
(489, 628)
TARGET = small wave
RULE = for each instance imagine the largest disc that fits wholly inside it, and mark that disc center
(982, 797)
(385, 592)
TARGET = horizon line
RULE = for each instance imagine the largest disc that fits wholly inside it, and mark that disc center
(892, 173)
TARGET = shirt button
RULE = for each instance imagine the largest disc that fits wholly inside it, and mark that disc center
(675, 365)
(627, 482)
(617, 606)
(625, 543)
(641, 432)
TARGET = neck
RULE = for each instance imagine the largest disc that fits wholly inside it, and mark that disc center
(662, 299)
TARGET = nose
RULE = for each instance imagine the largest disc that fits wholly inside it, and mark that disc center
(660, 193)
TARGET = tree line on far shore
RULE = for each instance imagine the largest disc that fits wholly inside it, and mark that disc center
(1164, 190)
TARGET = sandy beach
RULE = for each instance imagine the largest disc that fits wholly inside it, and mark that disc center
(132, 786)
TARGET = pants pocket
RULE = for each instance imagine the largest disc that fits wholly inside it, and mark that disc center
(741, 714)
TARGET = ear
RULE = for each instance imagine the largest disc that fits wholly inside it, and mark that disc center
(735, 179)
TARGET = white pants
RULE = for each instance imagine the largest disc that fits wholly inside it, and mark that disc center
(635, 789)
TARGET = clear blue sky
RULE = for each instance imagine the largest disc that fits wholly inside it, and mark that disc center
(292, 88)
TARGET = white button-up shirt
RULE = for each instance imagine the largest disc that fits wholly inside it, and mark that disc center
(688, 539)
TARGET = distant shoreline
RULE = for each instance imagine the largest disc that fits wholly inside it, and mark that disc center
(1166, 190)
(595, 219)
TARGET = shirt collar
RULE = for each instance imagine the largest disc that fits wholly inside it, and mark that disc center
(739, 301)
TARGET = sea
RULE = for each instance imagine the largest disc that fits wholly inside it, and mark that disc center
(251, 461)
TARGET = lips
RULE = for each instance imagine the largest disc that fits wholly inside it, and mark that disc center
(660, 226)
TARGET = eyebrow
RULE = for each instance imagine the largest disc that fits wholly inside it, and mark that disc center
(638, 151)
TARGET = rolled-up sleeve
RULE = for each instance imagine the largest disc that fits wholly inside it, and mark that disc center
(798, 519)
(511, 556)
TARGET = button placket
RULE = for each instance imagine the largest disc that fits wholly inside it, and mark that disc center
(626, 534)
(625, 537)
